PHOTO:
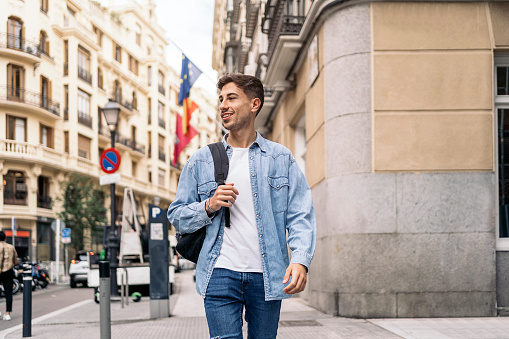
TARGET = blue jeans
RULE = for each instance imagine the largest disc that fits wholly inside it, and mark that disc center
(227, 294)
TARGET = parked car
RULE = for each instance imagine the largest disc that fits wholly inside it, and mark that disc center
(78, 270)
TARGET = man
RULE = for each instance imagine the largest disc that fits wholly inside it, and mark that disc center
(8, 258)
(247, 264)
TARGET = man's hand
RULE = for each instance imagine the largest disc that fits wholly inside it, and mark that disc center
(224, 196)
(298, 273)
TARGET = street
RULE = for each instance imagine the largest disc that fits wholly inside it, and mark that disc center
(44, 301)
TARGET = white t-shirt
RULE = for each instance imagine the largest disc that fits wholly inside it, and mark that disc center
(241, 248)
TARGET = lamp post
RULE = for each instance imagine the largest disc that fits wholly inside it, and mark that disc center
(111, 111)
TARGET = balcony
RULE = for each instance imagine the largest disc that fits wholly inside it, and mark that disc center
(44, 201)
(20, 48)
(125, 105)
(85, 119)
(122, 140)
(162, 156)
(252, 9)
(84, 75)
(18, 197)
(19, 95)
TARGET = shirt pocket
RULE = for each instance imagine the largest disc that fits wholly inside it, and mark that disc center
(207, 190)
(279, 193)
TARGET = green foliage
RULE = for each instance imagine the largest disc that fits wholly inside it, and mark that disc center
(83, 209)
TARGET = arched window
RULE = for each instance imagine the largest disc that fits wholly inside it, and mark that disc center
(137, 30)
(15, 188)
(135, 100)
(100, 82)
(44, 6)
(44, 43)
(118, 91)
(15, 33)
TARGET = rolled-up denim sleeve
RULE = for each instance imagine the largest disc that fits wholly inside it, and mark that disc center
(187, 213)
(300, 219)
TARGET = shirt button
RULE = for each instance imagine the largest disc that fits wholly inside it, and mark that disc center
(214, 255)
(257, 215)
(251, 158)
(260, 235)
(253, 175)
(263, 255)
(277, 186)
(219, 237)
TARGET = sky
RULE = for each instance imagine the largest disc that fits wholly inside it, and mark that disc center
(188, 25)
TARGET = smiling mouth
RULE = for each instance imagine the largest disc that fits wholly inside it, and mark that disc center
(226, 116)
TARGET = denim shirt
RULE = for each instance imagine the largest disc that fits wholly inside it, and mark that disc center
(283, 205)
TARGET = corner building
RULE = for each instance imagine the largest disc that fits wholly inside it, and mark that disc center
(397, 113)
(60, 62)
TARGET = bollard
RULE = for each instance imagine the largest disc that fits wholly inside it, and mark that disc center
(122, 291)
(104, 290)
(126, 287)
(27, 300)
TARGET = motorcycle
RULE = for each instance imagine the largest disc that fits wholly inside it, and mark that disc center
(40, 276)
(16, 286)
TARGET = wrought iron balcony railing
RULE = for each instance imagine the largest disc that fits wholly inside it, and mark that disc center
(127, 104)
(21, 95)
(84, 75)
(162, 123)
(85, 119)
(43, 201)
(123, 140)
(16, 42)
(17, 197)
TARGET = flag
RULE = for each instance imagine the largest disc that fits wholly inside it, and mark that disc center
(182, 139)
(188, 76)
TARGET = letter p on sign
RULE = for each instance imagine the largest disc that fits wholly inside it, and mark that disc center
(155, 212)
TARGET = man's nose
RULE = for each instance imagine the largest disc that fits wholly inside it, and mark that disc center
(223, 105)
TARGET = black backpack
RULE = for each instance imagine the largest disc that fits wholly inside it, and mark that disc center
(189, 244)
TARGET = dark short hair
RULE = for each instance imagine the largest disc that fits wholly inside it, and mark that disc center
(251, 85)
(2, 236)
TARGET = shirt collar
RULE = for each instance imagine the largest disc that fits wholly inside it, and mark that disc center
(260, 141)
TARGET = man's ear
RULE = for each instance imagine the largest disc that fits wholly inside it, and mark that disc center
(255, 104)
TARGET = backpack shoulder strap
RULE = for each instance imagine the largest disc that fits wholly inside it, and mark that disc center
(221, 165)
(220, 162)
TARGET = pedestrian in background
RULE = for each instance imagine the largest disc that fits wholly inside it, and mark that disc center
(246, 266)
(8, 259)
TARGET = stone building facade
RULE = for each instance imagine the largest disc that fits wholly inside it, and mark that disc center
(395, 111)
(60, 62)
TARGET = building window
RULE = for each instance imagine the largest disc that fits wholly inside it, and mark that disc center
(44, 6)
(100, 81)
(118, 91)
(162, 154)
(98, 36)
(84, 65)
(160, 82)
(66, 142)
(16, 128)
(150, 43)
(134, 168)
(133, 64)
(160, 115)
(137, 30)
(150, 174)
(66, 102)
(83, 147)
(46, 136)
(44, 43)
(161, 177)
(149, 111)
(45, 92)
(43, 198)
(135, 100)
(149, 138)
(502, 111)
(15, 33)
(15, 188)
(117, 52)
(15, 83)
(149, 73)
(84, 117)
(66, 57)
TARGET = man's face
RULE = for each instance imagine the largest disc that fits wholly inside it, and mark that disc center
(235, 107)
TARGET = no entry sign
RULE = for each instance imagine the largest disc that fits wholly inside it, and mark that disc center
(110, 160)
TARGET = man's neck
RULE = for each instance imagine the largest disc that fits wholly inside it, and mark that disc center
(241, 139)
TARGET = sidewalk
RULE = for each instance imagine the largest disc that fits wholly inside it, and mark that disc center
(298, 320)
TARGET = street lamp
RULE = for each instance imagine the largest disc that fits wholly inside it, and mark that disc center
(111, 111)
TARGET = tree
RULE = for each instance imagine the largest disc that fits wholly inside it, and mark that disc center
(83, 209)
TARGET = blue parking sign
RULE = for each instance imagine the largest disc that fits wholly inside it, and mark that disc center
(66, 235)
